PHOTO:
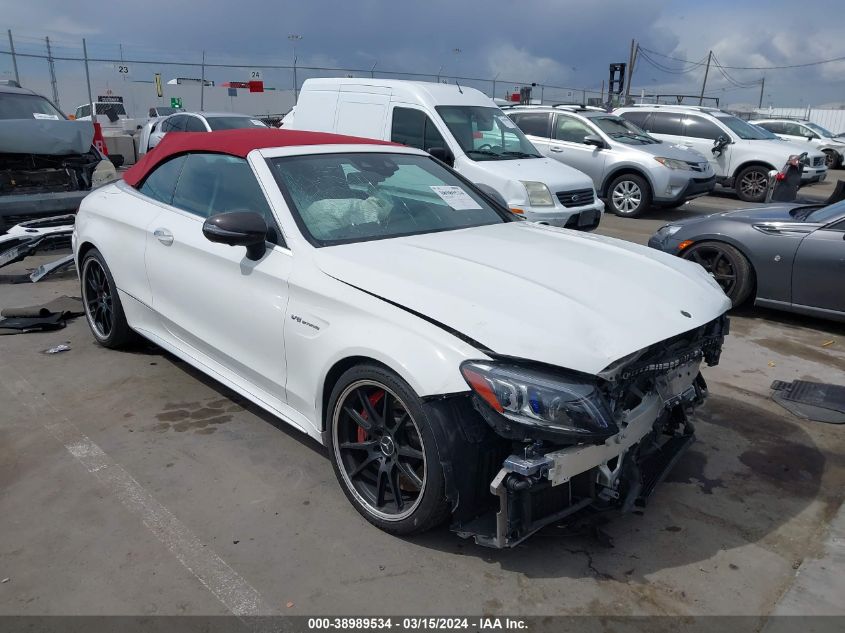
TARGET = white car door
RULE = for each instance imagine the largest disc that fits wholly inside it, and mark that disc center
(224, 310)
(700, 134)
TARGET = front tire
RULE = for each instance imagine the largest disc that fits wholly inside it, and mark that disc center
(628, 196)
(731, 270)
(752, 183)
(383, 451)
(103, 309)
(832, 159)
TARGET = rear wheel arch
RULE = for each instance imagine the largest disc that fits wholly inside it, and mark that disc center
(81, 252)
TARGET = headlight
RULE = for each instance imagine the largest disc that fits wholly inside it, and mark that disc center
(538, 194)
(671, 163)
(556, 402)
(667, 230)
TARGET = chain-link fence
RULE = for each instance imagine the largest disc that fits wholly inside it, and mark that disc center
(199, 80)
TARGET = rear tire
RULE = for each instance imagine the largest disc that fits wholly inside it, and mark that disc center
(103, 309)
(752, 183)
(383, 451)
(629, 196)
(730, 268)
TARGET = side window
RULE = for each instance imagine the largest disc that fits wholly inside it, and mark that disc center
(174, 124)
(193, 124)
(408, 127)
(413, 128)
(534, 123)
(699, 127)
(837, 226)
(83, 111)
(806, 132)
(217, 183)
(637, 118)
(792, 129)
(775, 127)
(161, 182)
(665, 123)
(570, 130)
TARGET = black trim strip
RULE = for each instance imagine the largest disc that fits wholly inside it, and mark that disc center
(466, 339)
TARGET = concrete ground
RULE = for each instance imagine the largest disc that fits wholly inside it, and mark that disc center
(131, 484)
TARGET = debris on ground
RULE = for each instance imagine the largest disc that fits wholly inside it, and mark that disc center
(828, 343)
(817, 401)
(49, 316)
(63, 347)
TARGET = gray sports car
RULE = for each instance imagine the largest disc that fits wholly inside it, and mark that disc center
(790, 257)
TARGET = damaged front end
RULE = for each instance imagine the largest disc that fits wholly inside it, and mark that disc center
(46, 168)
(537, 445)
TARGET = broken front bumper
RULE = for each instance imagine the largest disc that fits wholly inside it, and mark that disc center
(539, 489)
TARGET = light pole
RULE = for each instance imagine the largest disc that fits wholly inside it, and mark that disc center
(294, 38)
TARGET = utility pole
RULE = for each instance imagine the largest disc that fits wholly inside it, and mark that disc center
(704, 83)
(202, 84)
(762, 87)
(88, 81)
(601, 98)
(52, 66)
(14, 57)
(294, 38)
(632, 59)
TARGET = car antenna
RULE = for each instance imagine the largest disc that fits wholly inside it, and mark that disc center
(459, 86)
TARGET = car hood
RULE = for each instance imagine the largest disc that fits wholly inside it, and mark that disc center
(771, 213)
(797, 148)
(529, 291)
(557, 176)
(669, 150)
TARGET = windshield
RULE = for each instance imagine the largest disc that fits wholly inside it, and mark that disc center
(486, 133)
(820, 130)
(232, 122)
(822, 215)
(341, 198)
(744, 130)
(766, 133)
(23, 106)
(623, 131)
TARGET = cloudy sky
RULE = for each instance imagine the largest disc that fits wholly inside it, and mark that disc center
(561, 43)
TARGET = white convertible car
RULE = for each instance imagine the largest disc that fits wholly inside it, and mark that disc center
(458, 362)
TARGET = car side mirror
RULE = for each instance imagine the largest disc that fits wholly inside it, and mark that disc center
(238, 228)
(595, 140)
(443, 154)
(719, 145)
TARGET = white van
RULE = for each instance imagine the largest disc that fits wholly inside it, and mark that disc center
(463, 128)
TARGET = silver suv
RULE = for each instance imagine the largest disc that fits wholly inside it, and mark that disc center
(630, 169)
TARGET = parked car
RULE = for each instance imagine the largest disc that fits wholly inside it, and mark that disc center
(155, 129)
(788, 257)
(462, 127)
(47, 163)
(367, 304)
(110, 114)
(799, 132)
(631, 170)
(162, 111)
(741, 154)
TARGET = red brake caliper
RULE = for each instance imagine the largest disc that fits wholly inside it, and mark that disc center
(374, 398)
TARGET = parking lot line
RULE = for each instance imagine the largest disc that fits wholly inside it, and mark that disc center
(232, 590)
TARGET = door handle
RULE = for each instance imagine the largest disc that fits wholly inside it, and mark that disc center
(164, 236)
(555, 149)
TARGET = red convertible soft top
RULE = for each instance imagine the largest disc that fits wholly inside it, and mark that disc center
(235, 143)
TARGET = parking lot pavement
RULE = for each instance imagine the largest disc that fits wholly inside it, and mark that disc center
(131, 484)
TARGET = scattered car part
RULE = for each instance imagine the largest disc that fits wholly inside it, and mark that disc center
(50, 316)
(49, 268)
(784, 185)
(62, 347)
(820, 402)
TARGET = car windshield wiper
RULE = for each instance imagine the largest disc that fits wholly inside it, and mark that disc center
(483, 152)
(521, 154)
